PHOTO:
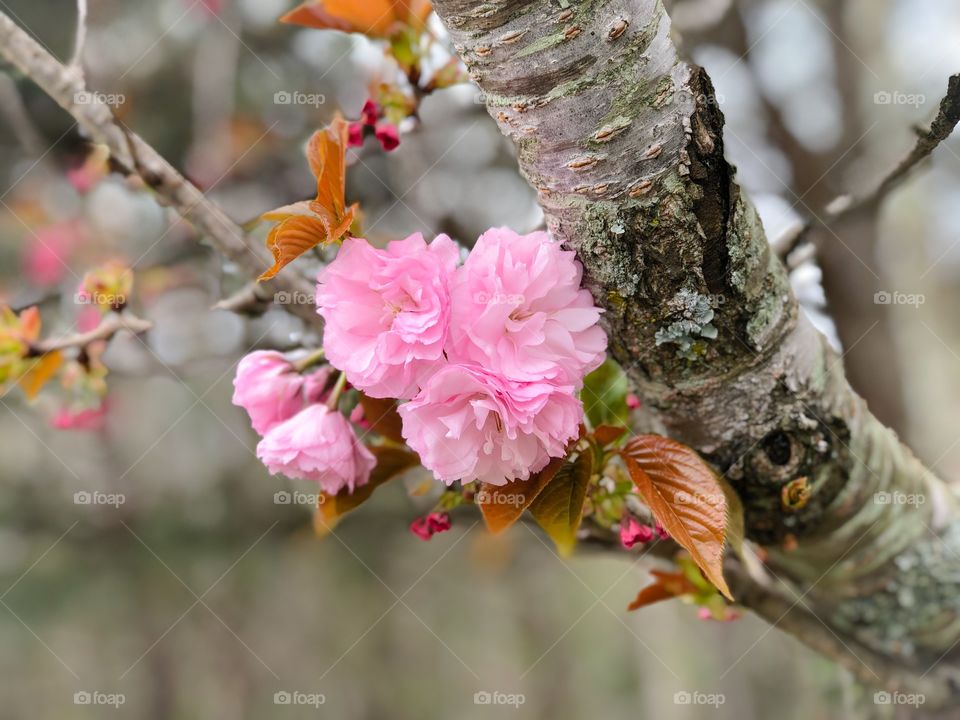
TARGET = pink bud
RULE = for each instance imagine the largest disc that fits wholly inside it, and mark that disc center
(425, 527)
(370, 113)
(388, 136)
(355, 134)
(633, 402)
(704, 614)
(632, 532)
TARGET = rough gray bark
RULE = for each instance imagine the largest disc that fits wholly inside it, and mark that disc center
(623, 142)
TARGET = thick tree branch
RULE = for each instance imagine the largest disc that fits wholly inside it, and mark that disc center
(623, 142)
(66, 87)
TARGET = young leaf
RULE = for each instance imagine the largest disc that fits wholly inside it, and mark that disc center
(685, 496)
(37, 375)
(666, 585)
(324, 220)
(502, 506)
(391, 462)
(608, 434)
(604, 396)
(374, 18)
(382, 417)
(558, 508)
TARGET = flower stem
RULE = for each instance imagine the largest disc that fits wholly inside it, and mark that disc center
(310, 360)
(337, 391)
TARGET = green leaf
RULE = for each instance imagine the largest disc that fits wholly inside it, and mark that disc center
(604, 396)
(558, 508)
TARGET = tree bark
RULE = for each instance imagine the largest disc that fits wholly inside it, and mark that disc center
(623, 142)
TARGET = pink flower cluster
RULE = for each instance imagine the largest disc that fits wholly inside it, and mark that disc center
(371, 124)
(490, 354)
(301, 437)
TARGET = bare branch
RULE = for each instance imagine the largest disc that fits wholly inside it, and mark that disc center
(135, 156)
(109, 326)
(928, 140)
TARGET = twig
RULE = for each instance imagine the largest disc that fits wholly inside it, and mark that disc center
(76, 62)
(251, 299)
(928, 140)
(135, 156)
(110, 326)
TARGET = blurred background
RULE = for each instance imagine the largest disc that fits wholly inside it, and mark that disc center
(197, 592)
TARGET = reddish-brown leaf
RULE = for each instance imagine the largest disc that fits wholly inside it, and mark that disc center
(324, 220)
(382, 417)
(501, 506)
(685, 496)
(608, 434)
(391, 462)
(665, 586)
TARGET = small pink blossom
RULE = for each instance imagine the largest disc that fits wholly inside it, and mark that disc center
(470, 424)
(387, 312)
(45, 261)
(632, 532)
(87, 419)
(355, 132)
(633, 402)
(426, 527)
(370, 113)
(317, 444)
(269, 388)
(519, 310)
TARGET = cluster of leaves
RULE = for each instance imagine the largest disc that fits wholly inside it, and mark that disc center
(603, 474)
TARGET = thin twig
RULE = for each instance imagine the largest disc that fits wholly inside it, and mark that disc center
(108, 327)
(928, 140)
(76, 62)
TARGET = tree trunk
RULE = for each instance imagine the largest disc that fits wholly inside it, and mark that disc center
(623, 142)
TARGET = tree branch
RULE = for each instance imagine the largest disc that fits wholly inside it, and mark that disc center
(623, 142)
(943, 126)
(135, 156)
(108, 327)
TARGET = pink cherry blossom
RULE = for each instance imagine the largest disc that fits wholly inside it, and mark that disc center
(470, 424)
(632, 532)
(317, 444)
(387, 312)
(86, 419)
(519, 310)
(269, 388)
(388, 135)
